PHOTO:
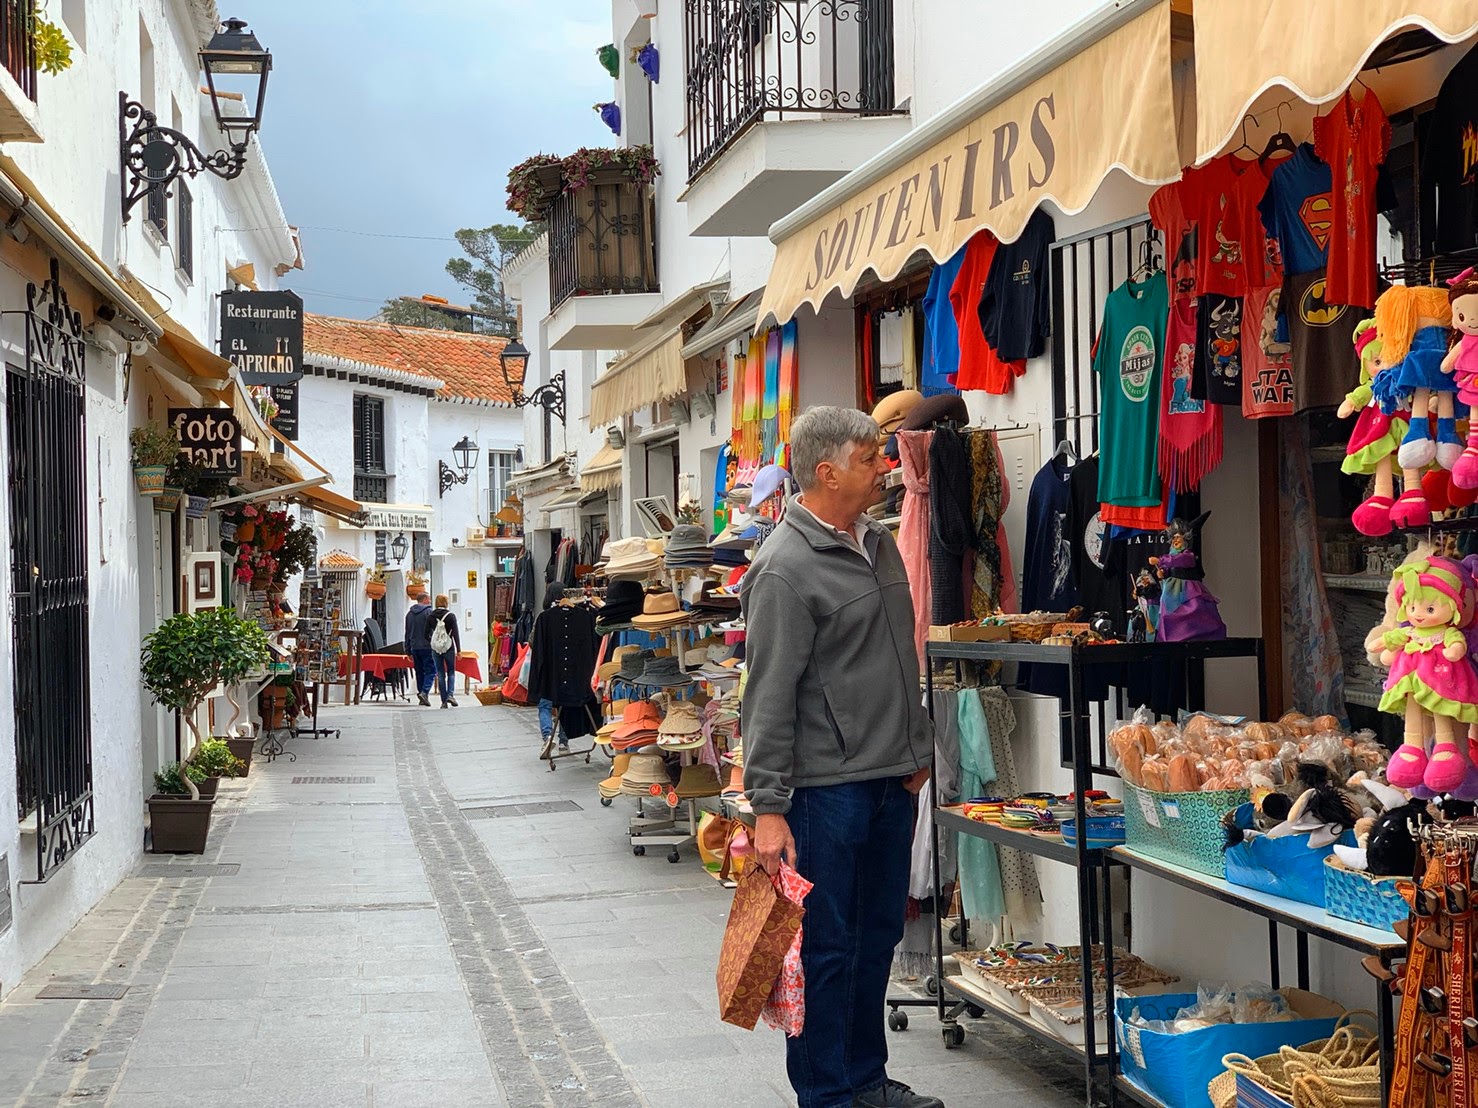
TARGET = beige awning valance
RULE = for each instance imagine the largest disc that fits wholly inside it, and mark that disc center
(1097, 99)
(549, 470)
(652, 372)
(603, 472)
(734, 320)
(1314, 48)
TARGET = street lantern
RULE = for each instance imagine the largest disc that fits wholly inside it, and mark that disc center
(466, 455)
(235, 54)
(398, 547)
(515, 362)
(466, 452)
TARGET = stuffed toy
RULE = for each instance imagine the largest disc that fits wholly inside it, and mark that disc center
(1188, 611)
(1431, 673)
(1376, 437)
(1412, 322)
(1462, 363)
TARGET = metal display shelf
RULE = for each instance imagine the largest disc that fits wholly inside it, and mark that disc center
(1364, 582)
(1025, 841)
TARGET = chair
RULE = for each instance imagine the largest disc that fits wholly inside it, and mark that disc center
(374, 643)
(397, 677)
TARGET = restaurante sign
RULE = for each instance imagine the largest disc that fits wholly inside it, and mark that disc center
(262, 335)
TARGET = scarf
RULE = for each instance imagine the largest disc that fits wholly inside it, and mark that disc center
(1190, 429)
(951, 524)
(986, 490)
(789, 383)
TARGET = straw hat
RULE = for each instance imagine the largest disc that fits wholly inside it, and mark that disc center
(642, 772)
(682, 729)
(660, 611)
(698, 780)
(612, 784)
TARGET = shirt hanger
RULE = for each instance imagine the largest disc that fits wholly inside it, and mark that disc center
(1281, 142)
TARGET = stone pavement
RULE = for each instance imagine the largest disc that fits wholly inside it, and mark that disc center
(378, 928)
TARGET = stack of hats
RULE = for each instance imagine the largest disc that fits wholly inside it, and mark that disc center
(660, 612)
(637, 726)
(687, 548)
(682, 729)
(631, 558)
(663, 673)
(624, 598)
(611, 786)
(716, 603)
(612, 668)
(632, 665)
(697, 780)
(643, 773)
(894, 408)
(767, 482)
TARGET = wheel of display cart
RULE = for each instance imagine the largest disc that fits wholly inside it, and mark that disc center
(639, 850)
(897, 1020)
(954, 1035)
(955, 934)
(605, 802)
(975, 1010)
(931, 985)
(674, 857)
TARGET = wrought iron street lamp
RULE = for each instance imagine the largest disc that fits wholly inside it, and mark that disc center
(466, 454)
(515, 362)
(399, 547)
(153, 156)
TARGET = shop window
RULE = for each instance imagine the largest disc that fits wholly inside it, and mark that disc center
(157, 210)
(184, 230)
(421, 551)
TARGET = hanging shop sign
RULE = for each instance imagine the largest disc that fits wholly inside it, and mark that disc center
(210, 438)
(262, 335)
(399, 519)
(285, 422)
(1052, 128)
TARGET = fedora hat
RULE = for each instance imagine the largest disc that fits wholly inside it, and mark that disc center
(639, 716)
(698, 780)
(663, 673)
(660, 610)
(612, 784)
(630, 558)
(623, 600)
(936, 409)
(894, 408)
(644, 771)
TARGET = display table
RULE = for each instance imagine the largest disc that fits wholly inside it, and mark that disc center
(470, 669)
(377, 665)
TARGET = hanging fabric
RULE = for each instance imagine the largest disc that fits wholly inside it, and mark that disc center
(987, 506)
(1019, 882)
(790, 377)
(981, 895)
(770, 409)
(951, 525)
(910, 321)
(890, 348)
(913, 528)
(869, 365)
(1190, 428)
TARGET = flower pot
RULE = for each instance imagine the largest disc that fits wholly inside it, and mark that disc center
(149, 479)
(245, 532)
(260, 581)
(243, 748)
(195, 506)
(168, 499)
(228, 530)
(413, 591)
(208, 788)
(374, 589)
(179, 825)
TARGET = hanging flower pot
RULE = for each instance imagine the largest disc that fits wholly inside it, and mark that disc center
(413, 591)
(647, 9)
(168, 499)
(195, 507)
(245, 532)
(150, 479)
(375, 590)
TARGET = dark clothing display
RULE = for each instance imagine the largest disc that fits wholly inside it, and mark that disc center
(524, 596)
(989, 579)
(438, 614)
(1015, 308)
(1047, 565)
(1089, 542)
(1450, 157)
(562, 663)
(951, 525)
(1218, 373)
(418, 627)
(1320, 335)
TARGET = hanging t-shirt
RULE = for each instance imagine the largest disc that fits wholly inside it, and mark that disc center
(1088, 536)
(1321, 334)
(1353, 139)
(1015, 311)
(1169, 216)
(941, 333)
(1219, 346)
(1267, 362)
(1298, 211)
(1190, 429)
(1450, 157)
(1047, 564)
(980, 367)
(1261, 267)
(1127, 361)
(1210, 196)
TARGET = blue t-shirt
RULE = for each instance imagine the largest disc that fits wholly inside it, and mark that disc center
(1297, 211)
(941, 332)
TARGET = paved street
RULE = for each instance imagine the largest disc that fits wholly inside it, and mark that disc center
(377, 930)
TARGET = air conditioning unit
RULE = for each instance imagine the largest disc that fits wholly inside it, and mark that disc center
(476, 535)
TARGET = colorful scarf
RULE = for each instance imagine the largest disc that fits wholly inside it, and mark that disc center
(789, 382)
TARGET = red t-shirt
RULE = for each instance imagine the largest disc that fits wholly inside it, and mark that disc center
(980, 367)
(1167, 214)
(1261, 265)
(1353, 139)
(1211, 196)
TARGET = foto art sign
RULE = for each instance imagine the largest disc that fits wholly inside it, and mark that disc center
(262, 335)
(210, 438)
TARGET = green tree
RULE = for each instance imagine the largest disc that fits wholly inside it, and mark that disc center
(488, 250)
(411, 311)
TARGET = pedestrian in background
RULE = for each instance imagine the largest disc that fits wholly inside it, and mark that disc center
(446, 644)
(418, 645)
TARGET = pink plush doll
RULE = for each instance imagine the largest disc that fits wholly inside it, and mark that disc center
(1462, 363)
(1432, 677)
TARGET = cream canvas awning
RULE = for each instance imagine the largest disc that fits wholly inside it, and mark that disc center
(603, 472)
(1051, 128)
(653, 371)
(1314, 48)
(550, 469)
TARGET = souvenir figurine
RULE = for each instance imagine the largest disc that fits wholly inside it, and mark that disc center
(1188, 611)
(1144, 617)
(1377, 434)
(1412, 323)
(1462, 363)
(1431, 674)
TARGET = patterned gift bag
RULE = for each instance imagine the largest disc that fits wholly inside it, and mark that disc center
(786, 1008)
(762, 926)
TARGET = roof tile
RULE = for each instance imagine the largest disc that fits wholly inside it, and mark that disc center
(468, 364)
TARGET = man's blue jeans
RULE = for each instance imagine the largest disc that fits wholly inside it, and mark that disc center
(425, 661)
(446, 674)
(852, 841)
(546, 720)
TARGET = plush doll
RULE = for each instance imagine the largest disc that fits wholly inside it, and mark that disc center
(1376, 437)
(1432, 677)
(1412, 323)
(1144, 618)
(1187, 609)
(1462, 363)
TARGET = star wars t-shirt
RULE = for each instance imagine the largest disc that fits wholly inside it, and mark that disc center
(1267, 362)
(1298, 212)
(1127, 360)
(1320, 335)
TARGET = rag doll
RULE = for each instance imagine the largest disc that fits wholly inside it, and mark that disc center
(1187, 609)
(1377, 434)
(1412, 323)
(1462, 363)
(1431, 674)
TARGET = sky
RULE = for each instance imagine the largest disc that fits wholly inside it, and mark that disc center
(403, 119)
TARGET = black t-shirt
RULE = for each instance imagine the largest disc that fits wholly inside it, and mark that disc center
(1216, 374)
(1092, 566)
(1450, 159)
(1015, 311)
(1320, 335)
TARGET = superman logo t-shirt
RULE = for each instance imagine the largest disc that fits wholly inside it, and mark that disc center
(1298, 211)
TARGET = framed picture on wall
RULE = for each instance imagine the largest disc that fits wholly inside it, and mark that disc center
(202, 581)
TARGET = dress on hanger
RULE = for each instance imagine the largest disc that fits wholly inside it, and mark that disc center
(952, 532)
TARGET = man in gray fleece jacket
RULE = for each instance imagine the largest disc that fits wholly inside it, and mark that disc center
(836, 744)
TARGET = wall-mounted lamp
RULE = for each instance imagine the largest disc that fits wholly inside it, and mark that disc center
(466, 455)
(399, 547)
(514, 361)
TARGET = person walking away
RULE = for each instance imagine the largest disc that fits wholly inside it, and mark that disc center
(836, 746)
(562, 650)
(446, 644)
(418, 645)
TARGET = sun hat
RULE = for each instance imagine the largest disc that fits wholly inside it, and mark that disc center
(612, 784)
(767, 482)
(698, 780)
(936, 409)
(738, 496)
(716, 597)
(894, 408)
(663, 673)
(606, 730)
(632, 665)
(660, 610)
(606, 670)
(687, 547)
(644, 771)
(640, 715)
(681, 720)
(630, 558)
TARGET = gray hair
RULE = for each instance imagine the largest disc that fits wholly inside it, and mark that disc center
(827, 434)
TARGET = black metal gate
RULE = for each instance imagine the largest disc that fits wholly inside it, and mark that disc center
(47, 428)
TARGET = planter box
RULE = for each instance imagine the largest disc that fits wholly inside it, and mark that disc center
(149, 479)
(208, 788)
(179, 825)
(195, 506)
(243, 748)
(167, 500)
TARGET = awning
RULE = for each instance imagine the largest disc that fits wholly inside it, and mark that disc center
(734, 320)
(339, 561)
(604, 470)
(567, 499)
(1314, 48)
(1095, 99)
(330, 503)
(182, 352)
(550, 469)
(683, 305)
(652, 372)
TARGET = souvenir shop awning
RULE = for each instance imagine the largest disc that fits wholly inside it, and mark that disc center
(735, 319)
(603, 472)
(1097, 98)
(182, 352)
(652, 372)
(550, 469)
(1314, 48)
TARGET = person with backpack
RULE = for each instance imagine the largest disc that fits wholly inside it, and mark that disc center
(446, 644)
(418, 646)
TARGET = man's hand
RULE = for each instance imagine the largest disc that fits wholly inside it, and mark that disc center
(772, 842)
(915, 782)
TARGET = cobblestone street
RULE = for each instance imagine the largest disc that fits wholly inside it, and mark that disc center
(369, 927)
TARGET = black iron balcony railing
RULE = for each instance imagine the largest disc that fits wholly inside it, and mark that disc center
(602, 239)
(749, 60)
(372, 487)
(16, 18)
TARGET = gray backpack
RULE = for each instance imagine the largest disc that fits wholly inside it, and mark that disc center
(441, 638)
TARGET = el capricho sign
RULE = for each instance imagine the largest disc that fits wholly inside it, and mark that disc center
(262, 335)
(210, 438)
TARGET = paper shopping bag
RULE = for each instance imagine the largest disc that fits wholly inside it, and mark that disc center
(762, 925)
(785, 1010)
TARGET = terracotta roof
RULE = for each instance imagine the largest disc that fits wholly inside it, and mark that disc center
(339, 559)
(467, 364)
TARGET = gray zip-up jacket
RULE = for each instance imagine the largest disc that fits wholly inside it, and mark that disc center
(832, 693)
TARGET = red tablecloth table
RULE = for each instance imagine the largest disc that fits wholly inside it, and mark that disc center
(469, 666)
(377, 665)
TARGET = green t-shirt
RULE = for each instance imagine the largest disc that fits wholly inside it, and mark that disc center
(1127, 361)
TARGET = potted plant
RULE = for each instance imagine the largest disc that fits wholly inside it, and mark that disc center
(590, 164)
(198, 488)
(374, 587)
(532, 183)
(215, 760)
(184, 659)
(154, 448)
(241, 747)
(180, 823)
(299, 549)
(415, 584)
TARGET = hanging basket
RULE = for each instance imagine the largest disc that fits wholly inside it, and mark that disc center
(167, 500)
(195, 506)
(261, 581)
(375, 590)
(149, 479)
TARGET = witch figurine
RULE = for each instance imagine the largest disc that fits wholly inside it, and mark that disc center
(1188, 611)
(1144, 618)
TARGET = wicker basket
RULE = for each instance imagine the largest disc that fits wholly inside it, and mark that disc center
(1351, 895)
(487, 695)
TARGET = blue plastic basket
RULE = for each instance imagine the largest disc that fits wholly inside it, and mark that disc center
(1373, 901)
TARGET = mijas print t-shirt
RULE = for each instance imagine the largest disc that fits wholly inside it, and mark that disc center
(1127, 361)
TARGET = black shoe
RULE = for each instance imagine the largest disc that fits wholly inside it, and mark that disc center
(452, 700)
(444, 704)
(894, 1094)
(423, 700)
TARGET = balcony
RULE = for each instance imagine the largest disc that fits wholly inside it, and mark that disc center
(602, 263)
(784, 97)
(372, 488)
(18, 116)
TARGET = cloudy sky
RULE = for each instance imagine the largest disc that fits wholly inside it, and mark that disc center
(393, 119)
